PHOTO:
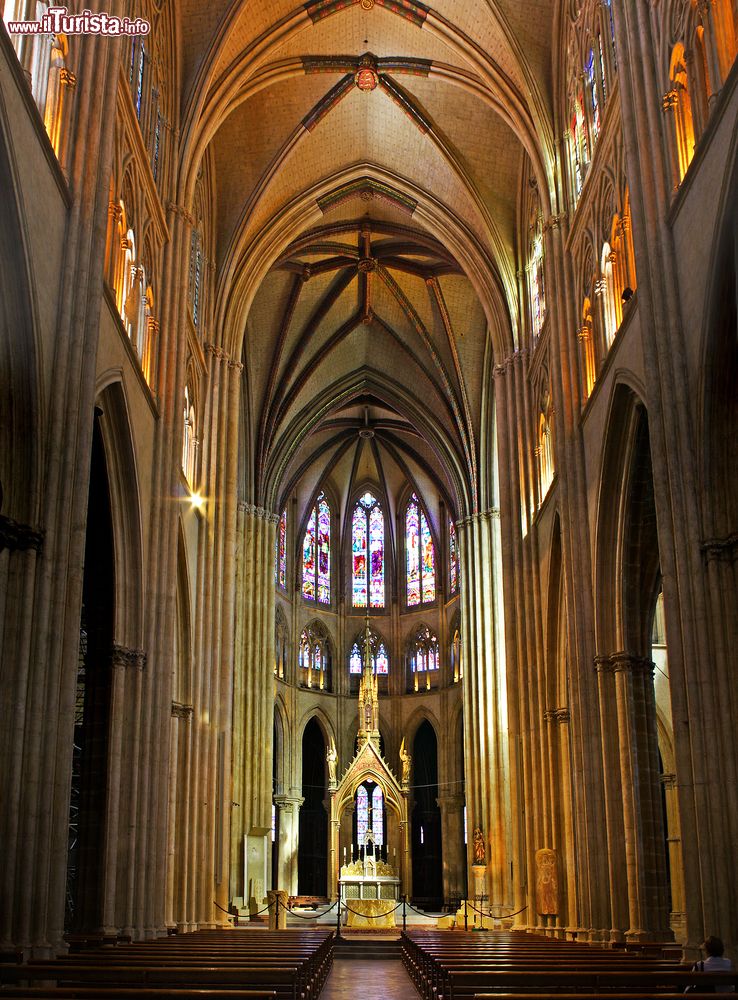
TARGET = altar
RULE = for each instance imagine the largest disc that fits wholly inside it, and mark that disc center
(369, 880)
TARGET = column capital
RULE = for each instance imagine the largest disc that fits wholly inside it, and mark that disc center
(181, 212)
(19, 537)
(720, 548)
(254, 511)
(67, 78)
(450, 800)
(125, 657)
(624, 661)
(288, 802)
(180, 711)
(558, 715)
(670, 100)
(603, 664)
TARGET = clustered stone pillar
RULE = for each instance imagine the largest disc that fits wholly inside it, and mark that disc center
(43, 643)
(289, 829)
(253, 714)
(452, 839)
(486, 763)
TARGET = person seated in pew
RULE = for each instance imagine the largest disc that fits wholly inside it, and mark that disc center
(715, 962)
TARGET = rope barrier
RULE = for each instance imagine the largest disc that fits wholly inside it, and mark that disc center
(372, 916)
(492, 916)
(309, 916)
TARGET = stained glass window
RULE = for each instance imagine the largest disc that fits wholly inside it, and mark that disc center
(378, 816)
(419, 555)
(453, 557)
(603, 68)
(355, 660)
(362, 814)
(139, 80)
(316, 553)
(535, 267)
(589, 70)
(367, 553)
(380, 658)
(580, 150)
(281, 572)
(324, 550)
(423, 653)
(381, 662)
(308, 559)
(312, 657)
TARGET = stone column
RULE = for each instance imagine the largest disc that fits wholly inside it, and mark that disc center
(253, 698)
(643, 830)
(289, 828)
(613, 798)
(486, 764)
(452, 841)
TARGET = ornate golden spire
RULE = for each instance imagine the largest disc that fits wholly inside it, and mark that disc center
(368, 695)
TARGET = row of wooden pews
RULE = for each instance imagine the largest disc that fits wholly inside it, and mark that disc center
(510, 965)
(209, 965)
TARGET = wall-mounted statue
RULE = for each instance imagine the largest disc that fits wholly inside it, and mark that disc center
(406, 764)
(547, 882)
(332, 759)
(480, 851)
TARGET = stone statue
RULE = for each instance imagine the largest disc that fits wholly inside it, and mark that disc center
(406, 763)
(480, 852)
(332, 759)
(547, 882)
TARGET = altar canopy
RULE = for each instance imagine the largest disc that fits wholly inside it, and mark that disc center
(369, 870)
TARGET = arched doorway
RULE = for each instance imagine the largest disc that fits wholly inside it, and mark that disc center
(426, 821)
(92, 712)
(312, 852)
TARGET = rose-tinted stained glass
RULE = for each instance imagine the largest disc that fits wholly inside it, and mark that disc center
(355, 660)
(453, 557)
(308, 560)
(358, 554)
(376, 551)
(378, 816)
(324, 550)
(362, 814)
(367, 553)
(282, 550)
(428, 561)
(412, 553)
(316, 553)
(419, 555)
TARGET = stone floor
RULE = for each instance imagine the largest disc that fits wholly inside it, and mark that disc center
(368, 981)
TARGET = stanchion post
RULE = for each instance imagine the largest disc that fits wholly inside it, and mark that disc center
(404, 912)
(338, 913)
(466, 917)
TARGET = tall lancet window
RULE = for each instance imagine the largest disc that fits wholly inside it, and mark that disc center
(453, 557)
(419, 555)
(367, 552)
(424, 657)
(316, 553)
(362, 814)
(378, 816)
(281, 572)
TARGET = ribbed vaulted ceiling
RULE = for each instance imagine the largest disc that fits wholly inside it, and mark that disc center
(367, 157)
